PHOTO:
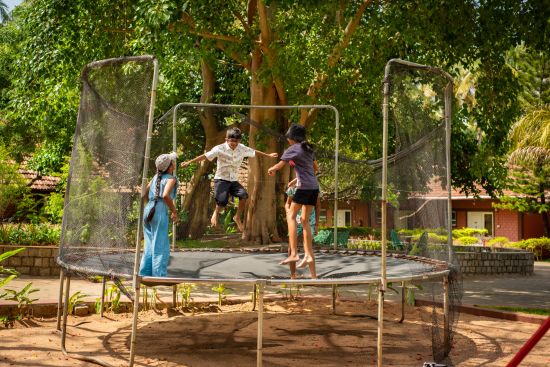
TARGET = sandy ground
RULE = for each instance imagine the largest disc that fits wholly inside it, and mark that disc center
(296, 333)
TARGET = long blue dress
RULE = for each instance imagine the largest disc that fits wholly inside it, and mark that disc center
(157, 245)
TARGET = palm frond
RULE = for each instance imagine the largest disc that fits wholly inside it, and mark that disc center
(532, 129)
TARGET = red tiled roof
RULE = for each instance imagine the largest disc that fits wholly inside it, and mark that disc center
(39, 183)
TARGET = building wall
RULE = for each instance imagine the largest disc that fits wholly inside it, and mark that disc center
(511, 224)
(507, 224)
(532, 225)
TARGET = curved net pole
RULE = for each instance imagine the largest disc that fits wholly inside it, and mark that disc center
(382, 286)
(136, 278)
(384, 201)
(264, 107)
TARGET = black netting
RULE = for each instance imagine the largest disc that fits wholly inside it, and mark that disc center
(103, 191)
(418, 187)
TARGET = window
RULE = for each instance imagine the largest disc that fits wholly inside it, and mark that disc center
(378, 215)
(453, 218)
(323, 217)
(344, 218)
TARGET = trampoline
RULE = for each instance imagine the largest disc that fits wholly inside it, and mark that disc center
(262, 265)
(103, 209)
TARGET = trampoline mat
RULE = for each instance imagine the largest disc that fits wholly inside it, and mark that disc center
(220, 265)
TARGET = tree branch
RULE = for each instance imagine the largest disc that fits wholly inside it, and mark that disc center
(265, 42)
(221, 39)
(307, 116)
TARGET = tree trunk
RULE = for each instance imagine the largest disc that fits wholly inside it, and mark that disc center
(261, 217)
(199, 194)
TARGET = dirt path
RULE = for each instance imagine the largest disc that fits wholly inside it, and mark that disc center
(297, 333)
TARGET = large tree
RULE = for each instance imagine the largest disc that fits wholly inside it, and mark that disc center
(272, 52)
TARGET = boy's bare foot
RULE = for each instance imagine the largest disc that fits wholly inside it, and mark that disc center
(238, 223)
(214, 219)
(290, 259)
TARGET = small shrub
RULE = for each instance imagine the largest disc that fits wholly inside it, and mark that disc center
(468, 240)
(469, 232)
(436, 238)
(222, 292)
(498, 241)
(539, 246)
(30, 234)
(366, 245)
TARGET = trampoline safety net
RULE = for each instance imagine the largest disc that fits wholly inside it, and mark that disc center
(418, 202)
(100, 219)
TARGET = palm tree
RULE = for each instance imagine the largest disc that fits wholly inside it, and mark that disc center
(4, 12)
(529, 165)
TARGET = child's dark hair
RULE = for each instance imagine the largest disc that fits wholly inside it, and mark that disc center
(157, 187)
(297, 133)
(234, 133)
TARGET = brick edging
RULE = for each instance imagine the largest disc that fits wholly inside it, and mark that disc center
(477, 311)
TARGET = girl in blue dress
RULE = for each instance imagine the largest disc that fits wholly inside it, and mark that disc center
(162, 190)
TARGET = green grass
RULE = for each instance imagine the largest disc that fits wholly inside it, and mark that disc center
(532, 311)
(202, 244)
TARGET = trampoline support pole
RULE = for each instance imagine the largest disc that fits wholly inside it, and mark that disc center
(403, 289)
(254, 294)
(334, 299)
(137, 284)
(259, 356)
(60, 300)
(65, 312)
(102, 297)
(446, 337)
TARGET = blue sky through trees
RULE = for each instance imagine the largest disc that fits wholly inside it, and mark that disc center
(12, 3)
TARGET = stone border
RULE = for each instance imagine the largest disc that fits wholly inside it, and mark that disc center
(35, 260)
(474, 260)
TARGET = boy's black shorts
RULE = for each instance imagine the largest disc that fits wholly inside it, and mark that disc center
(223, 188)
(305, 197)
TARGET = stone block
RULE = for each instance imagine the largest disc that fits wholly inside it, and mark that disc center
(81, 310)
(44, 252)
(37, 262)
(27, 261)
(35, 270)
(25, 270)
(44, 272)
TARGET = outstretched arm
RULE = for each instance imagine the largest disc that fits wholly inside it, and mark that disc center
(272, 155)
(196, 159)
(271, 171)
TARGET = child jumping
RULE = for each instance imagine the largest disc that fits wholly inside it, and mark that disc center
(300, 154)
(313, 218)
(230, 157)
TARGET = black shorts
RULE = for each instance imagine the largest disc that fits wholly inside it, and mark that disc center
(223, 188)
(306, 197)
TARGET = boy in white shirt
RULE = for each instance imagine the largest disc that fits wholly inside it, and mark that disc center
(230, 157)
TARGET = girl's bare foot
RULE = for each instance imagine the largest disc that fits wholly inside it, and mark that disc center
(290, 259)
(305, 261)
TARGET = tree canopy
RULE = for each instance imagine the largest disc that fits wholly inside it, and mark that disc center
(273, 52)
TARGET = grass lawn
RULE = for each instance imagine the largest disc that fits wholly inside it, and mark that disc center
(183, 244)
(531, 311)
